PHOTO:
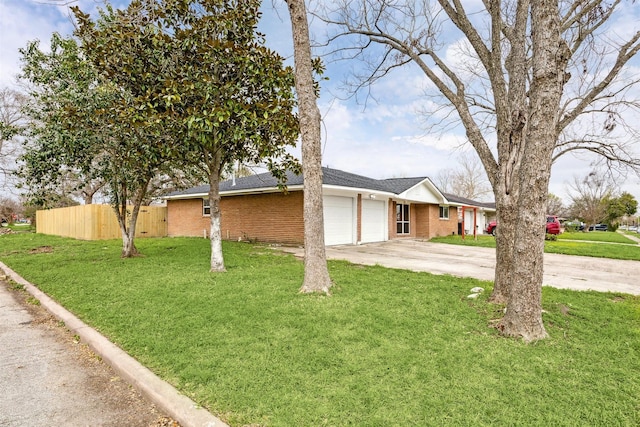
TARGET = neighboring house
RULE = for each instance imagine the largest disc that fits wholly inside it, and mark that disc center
(357, 209)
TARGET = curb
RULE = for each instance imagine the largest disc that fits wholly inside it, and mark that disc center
(158, 391)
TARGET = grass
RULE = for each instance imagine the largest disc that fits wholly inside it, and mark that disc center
(20, 227)
(596, 236)
(600, 249)
(389, 347)
(482, 240)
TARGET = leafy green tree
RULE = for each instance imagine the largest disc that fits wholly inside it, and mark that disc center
(200, 67)
(617, 207)
(82, 125)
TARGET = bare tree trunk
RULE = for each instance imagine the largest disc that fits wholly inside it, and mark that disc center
(511, 110)
(550, 55)
(215, 234)
(523, 317)
(316, 274)
(505, 237)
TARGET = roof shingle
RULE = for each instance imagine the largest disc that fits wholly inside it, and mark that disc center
(329, 177)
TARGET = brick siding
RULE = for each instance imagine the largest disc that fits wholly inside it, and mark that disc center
(278, 218)
(272, 217)
(430, 225)
(184, 218)
(424, 222)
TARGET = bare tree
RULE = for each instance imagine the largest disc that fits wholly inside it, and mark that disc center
(10, 210)
(316, 274)
(11, 122)
(517, 72)
(468, 180)
(588, 197)
(554, 205)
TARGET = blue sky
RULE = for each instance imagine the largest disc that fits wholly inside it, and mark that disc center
(385, 138)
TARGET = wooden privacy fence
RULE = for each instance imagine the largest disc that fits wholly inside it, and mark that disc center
(99, 222)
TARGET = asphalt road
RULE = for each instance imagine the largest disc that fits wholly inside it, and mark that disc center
(560, 271)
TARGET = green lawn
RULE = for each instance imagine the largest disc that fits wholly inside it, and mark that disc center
(602, 249)
(596, 236)
(20, 227)
(482, 240)
(388, 348)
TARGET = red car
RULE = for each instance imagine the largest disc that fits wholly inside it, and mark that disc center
(553, 226)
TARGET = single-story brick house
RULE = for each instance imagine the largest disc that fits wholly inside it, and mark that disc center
(357, 209)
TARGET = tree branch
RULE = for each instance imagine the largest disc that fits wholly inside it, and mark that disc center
(627, 51)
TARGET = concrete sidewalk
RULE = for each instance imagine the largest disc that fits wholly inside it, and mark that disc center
(632, 237)
(48, 379)
(45, 384)
(560, 271)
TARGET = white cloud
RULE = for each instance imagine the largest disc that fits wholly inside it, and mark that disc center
(337, 117)
(23, 21)
(385, 159)
(443, 142)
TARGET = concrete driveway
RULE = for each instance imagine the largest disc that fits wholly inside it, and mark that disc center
(560, 271)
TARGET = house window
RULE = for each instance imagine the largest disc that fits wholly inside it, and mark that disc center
(206, 208)
(444, 212)
(402, 219)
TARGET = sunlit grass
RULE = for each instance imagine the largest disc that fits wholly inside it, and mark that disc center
(389, 347)
(596, 236)
(583, 248)
(483, 240)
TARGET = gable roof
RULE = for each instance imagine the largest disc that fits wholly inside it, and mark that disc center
(400, 185)
(266, 182)
(345, 179)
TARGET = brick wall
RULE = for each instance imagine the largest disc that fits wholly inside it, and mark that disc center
(273, 217)
(431, 225)
(425, 222)
(391, 220)
(184, 218)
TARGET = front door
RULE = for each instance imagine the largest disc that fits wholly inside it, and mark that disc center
(402, 219)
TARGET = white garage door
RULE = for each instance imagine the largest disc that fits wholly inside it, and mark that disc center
(373, 221)
(338, 220)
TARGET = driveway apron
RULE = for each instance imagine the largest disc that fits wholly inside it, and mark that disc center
(560, 271)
